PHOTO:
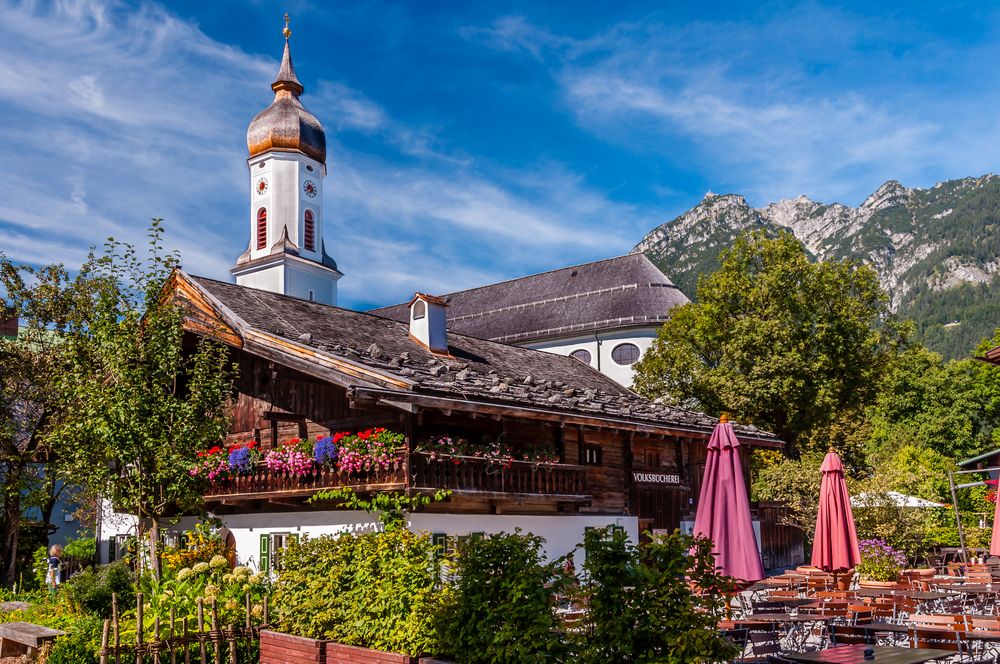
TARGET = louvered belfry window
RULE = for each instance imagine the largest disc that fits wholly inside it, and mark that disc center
(261, 228)
(309, 232)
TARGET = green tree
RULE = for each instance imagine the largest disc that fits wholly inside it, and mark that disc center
(49, 303)
(641, 608)
(950, 406)
(141, 397)
(502, 609)
(776, 340)
(796, 483)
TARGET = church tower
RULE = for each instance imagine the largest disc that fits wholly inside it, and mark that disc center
(287, 163)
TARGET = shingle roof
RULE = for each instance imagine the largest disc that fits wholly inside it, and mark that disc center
(626, 291)
(476, 369)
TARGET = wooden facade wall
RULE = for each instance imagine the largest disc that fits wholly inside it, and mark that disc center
(265, 388)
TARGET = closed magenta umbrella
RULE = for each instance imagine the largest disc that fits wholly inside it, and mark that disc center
(835, 547)
(724, 509)
(995, 539)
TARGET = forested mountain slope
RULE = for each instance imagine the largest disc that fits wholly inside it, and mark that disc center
(936, 250)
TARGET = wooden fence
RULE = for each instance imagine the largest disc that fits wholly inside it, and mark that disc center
(178, 640)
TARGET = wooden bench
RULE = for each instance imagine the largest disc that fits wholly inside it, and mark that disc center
(24, 638)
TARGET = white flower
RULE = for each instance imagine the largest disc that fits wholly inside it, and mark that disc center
(218, 562)
(184, 573)
(200, 567)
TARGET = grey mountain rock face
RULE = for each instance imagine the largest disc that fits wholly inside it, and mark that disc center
(936, 250)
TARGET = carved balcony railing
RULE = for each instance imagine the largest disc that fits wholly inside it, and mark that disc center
(264, 483)
(483, 475)
(417, 471)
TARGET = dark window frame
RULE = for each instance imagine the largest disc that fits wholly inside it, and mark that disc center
(622, 347)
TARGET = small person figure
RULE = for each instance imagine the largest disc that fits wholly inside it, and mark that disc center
(569, 569)
(55, 568)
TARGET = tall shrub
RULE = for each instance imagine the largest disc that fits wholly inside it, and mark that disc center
(376, 590)
(641, 606)
(502, 610)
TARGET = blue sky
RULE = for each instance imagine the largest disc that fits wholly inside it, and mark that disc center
(472, 142)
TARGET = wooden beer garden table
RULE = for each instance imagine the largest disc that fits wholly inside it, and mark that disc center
(855, 654)
(910, 594)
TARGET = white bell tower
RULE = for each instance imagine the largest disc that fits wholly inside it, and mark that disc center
(287, 164)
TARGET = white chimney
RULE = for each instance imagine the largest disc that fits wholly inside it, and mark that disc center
(429, 322)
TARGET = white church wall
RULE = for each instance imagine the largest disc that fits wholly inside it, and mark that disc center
(302, 282)
(600, 345)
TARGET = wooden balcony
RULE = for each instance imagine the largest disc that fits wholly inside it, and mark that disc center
(472, 474)
(412, 473)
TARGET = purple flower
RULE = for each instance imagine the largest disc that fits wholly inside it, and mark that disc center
(325, 451)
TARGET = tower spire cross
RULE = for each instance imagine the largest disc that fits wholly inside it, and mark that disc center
(287, 31)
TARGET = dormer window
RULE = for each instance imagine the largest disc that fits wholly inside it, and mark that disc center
(261, 228)
(429, 323)
(419, 309)
(309, 231)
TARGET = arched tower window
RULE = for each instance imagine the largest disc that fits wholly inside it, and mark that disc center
(309, 232)
(261, 228)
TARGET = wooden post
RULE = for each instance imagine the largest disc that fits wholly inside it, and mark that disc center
(232, 644)
(201, 630)
(187, 646)
(216, 635)
(138, 628)
(114, 618)
(267, 621)
(104, 642)
(248, 609)
(156, 640)
(173, 650)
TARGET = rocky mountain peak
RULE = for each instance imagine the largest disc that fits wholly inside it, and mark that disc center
(923, 243)
(890, 194)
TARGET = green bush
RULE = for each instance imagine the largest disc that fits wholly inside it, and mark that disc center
(377, 590)
(80, 645)
(83, 550)
(641, 607)
(502, 608)
(91, 589)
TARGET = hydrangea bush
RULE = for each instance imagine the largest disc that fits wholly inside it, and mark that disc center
(879, 561)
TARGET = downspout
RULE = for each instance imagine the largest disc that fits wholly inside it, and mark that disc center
(597, 338)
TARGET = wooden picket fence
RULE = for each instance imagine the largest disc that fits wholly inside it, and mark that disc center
(178, 640)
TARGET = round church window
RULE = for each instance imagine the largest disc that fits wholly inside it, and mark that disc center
(625, 354)
(582, 354)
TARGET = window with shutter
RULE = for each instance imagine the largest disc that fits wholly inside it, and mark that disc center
(309, 231)
(261, 228)
(265, 553)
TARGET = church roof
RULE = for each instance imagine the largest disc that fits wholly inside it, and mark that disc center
(365, 352)
(286, 124)
(626, 291)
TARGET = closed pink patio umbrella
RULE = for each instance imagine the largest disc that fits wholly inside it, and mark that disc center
(835, 547)
(995, 539)
(724, 508)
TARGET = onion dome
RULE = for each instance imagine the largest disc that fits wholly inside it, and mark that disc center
(286, 124)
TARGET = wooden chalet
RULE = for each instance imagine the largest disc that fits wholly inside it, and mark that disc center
(308, 369)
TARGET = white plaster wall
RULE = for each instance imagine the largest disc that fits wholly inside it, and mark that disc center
(270, 278)
(600, 344)
(285, 199)
(300, 280)
(562, 533)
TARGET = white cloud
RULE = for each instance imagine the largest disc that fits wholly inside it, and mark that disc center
(115, 114)
(809, 100)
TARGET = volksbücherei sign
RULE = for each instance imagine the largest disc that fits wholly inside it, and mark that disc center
(656, 478)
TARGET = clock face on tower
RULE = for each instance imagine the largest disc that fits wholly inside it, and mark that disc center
(310, 188)
(261, 186)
